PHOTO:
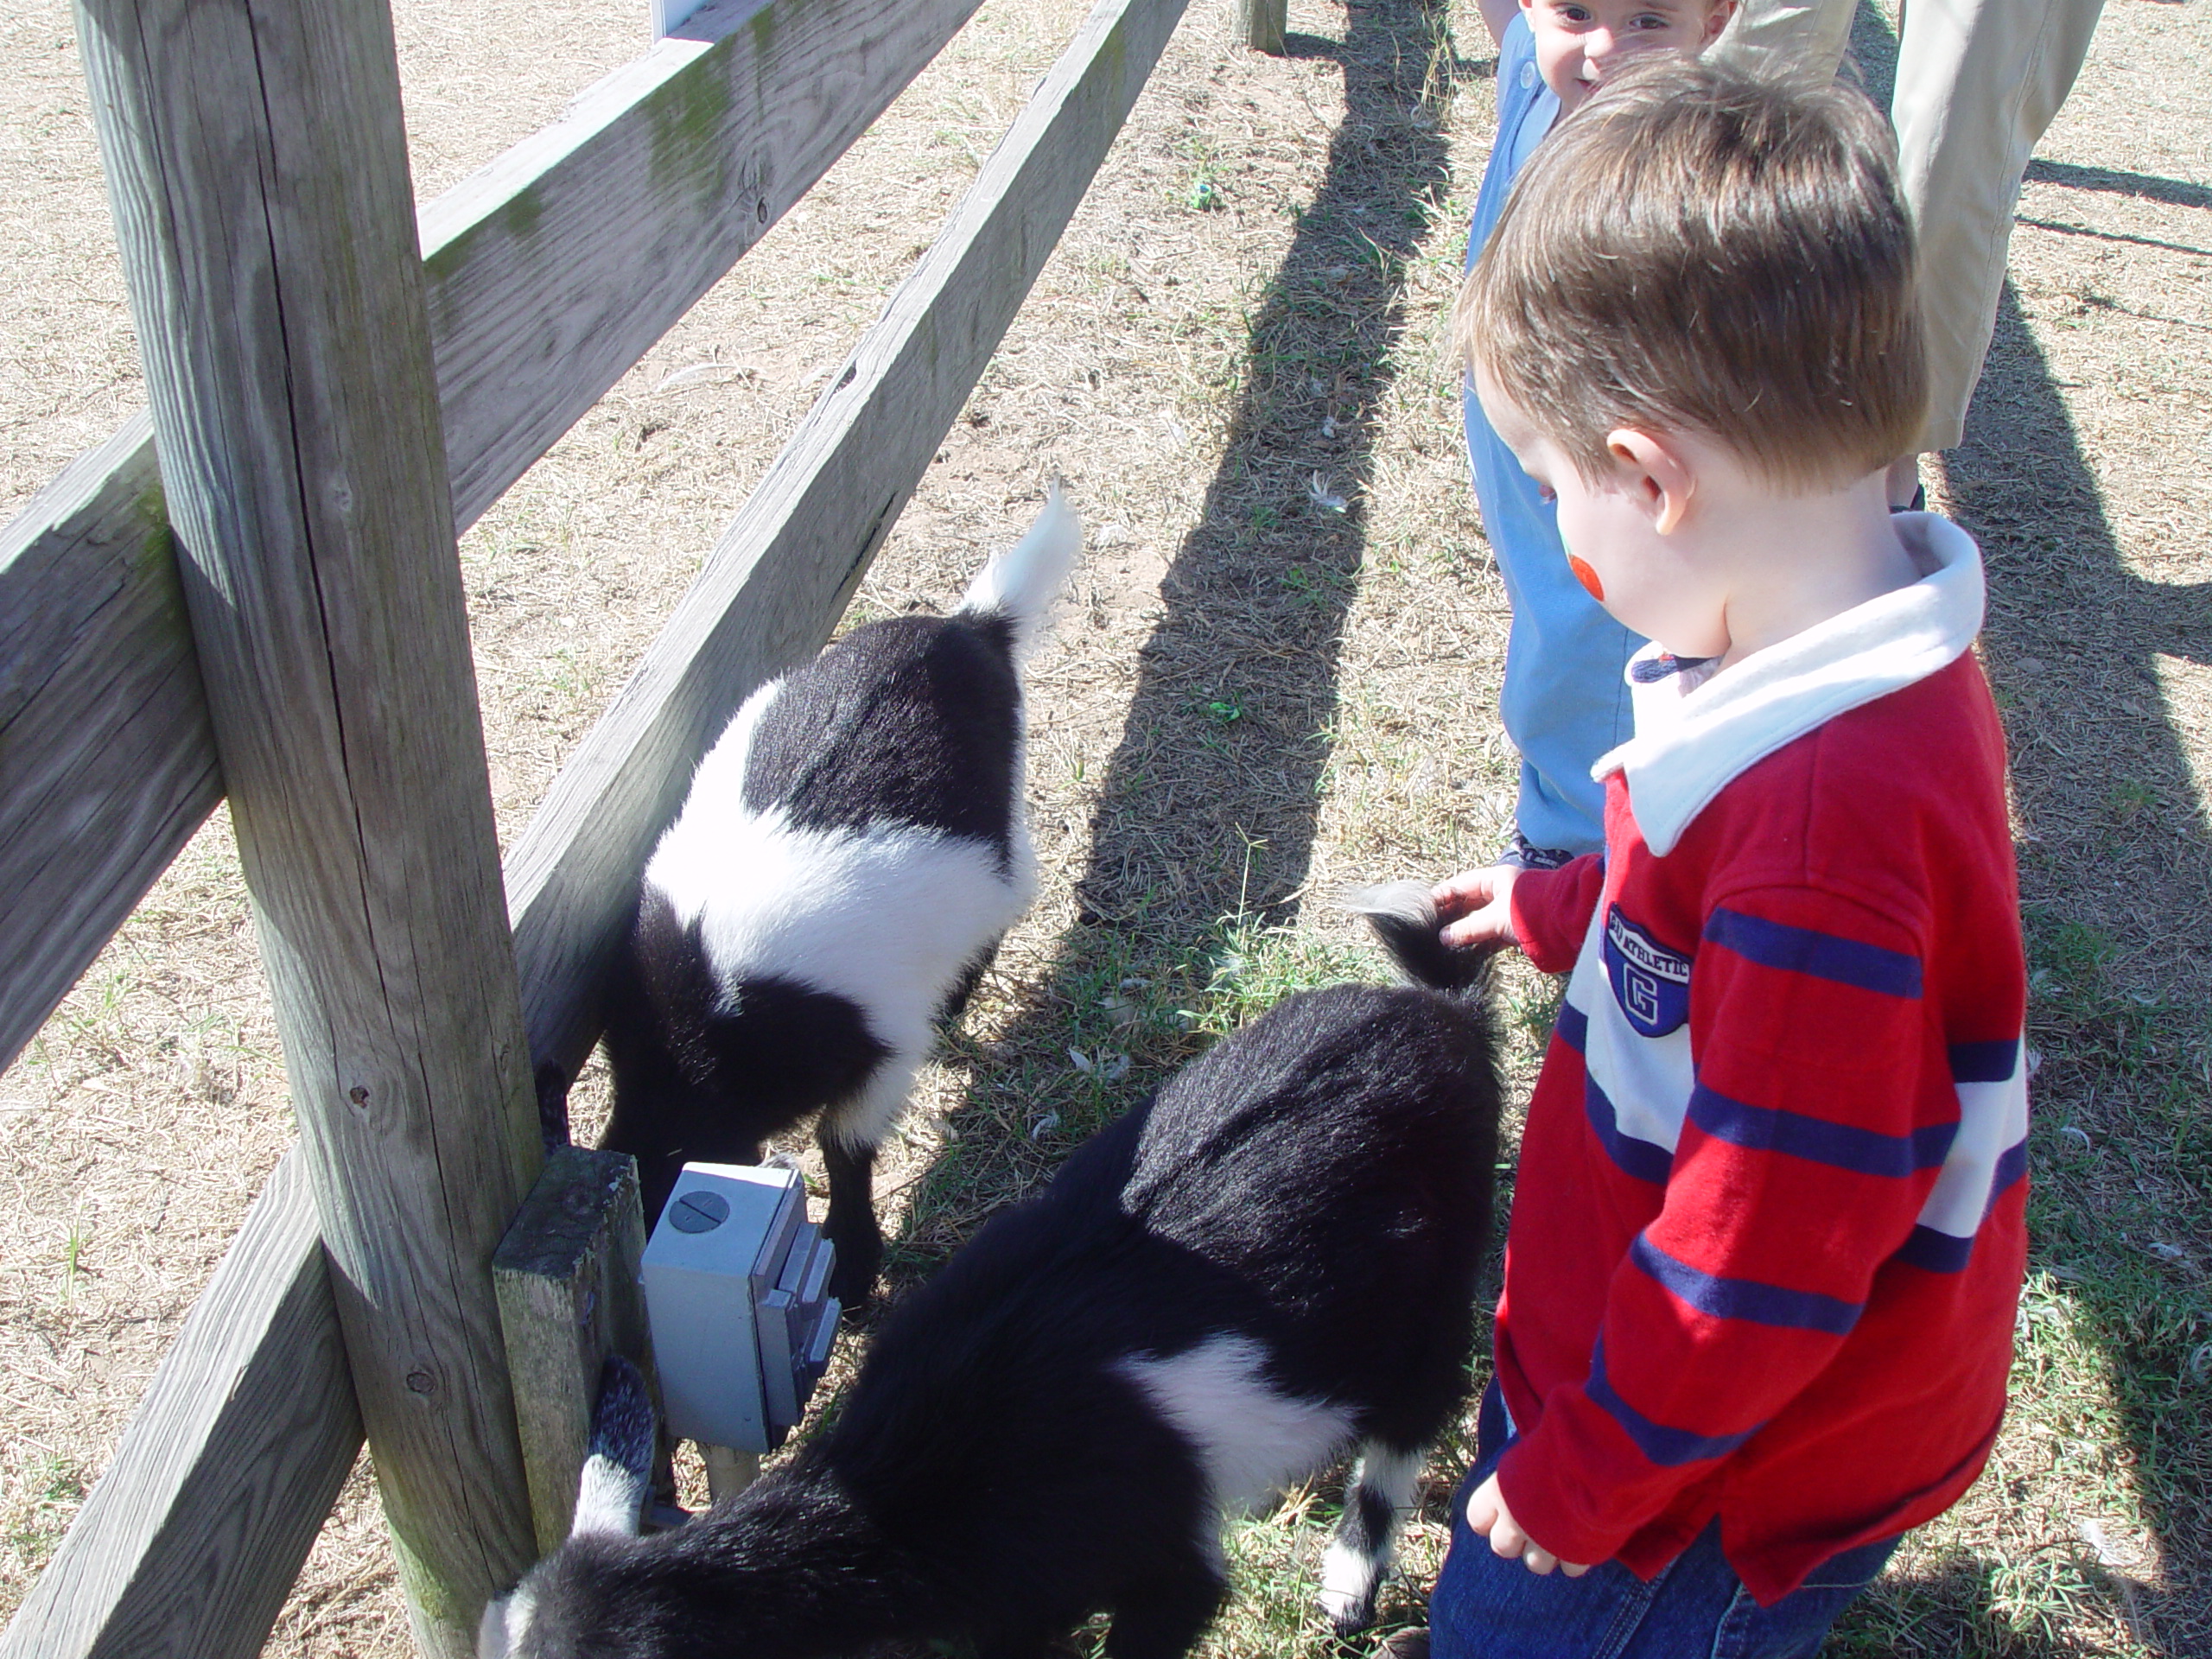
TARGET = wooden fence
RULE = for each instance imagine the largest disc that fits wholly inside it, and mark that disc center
(273, 612)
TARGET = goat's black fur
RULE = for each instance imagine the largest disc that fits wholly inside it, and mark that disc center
(916, 721)
(813, 907)
(1314, 1192)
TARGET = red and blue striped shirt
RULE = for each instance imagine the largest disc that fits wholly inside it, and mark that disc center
(1768, 1230)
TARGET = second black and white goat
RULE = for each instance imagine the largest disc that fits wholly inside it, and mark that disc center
(853, 848)
(1271, 1263)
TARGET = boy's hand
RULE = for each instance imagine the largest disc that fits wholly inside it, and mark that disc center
(1487, 1514)
(1476, 905)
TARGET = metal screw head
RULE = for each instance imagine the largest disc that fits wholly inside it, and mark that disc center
(698, 1212)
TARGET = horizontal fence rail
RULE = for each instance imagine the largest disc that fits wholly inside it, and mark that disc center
(553, 270)
(107, 762)
(550, 272)
(191, 1539)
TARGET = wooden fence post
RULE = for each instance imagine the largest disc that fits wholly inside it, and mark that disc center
(257, 168)
(1260, 24)
(567, 1278)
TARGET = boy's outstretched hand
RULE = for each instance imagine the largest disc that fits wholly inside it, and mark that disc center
(1477, 906)
(1487, 1514)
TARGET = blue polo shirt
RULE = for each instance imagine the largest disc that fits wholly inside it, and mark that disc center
(1564, 701)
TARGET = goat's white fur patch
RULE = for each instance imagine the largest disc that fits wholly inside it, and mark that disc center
(1350, 1572)
(505, 1623)
(1253, 1440)
(888, 918)
(1348, 1579)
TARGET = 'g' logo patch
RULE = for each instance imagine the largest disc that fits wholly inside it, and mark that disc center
(1650, 983)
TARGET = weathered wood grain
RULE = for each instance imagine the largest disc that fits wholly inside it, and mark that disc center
(567, 1278)
(257, 168)
(776, 583)
(106, 762)
(191, 1540)
(551, 271)
(554, 269)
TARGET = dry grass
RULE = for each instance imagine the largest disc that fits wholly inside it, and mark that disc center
(1254, 696)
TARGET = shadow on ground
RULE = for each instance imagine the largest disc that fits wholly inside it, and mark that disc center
(1204, 828)
(2115, 860)
(1962, 1607)
(1209, 802)
(1205, 822)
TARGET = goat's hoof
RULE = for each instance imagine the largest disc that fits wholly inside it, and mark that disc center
(859, 1265)
(854, 1288)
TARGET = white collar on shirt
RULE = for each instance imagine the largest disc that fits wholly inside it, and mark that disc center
(1695, 732)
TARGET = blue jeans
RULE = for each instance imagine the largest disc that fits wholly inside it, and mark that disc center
(1486, 1607)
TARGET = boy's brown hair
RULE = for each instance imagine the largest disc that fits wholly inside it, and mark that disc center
(1696, 248)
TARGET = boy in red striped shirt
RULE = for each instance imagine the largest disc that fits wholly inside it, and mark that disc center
(1767, 1233)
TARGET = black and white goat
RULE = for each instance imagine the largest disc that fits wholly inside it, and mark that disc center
(853, 848)
(1273, 1261)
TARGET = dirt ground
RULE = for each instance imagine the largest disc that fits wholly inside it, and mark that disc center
(1279, 673)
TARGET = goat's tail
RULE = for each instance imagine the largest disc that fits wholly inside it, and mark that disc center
(619, 1467)
(1404, 917)
(1019, 584)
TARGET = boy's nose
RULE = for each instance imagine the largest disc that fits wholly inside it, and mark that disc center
(1597, 46)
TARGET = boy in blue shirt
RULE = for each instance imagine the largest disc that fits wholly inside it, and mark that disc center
(1564, 701)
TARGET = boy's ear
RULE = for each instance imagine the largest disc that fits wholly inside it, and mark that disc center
(1655, 472)
(1716, 20)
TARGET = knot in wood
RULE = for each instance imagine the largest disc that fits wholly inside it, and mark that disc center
(421, 1382)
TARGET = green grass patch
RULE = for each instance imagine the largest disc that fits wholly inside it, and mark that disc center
(41, 1498)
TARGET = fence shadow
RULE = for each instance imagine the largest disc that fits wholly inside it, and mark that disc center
(1207, 806)
(2115, 857)
(1208, 803)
